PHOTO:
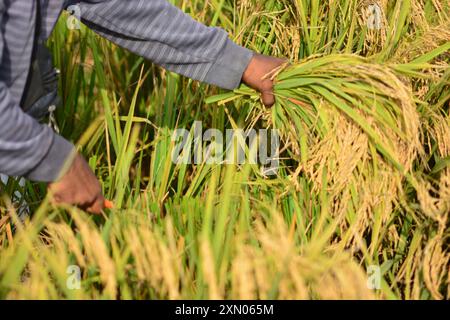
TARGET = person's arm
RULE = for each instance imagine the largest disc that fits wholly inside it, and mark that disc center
(163, 34)
(36, 152)
(27, 148)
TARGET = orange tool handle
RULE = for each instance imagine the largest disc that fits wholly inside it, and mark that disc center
(108, 204)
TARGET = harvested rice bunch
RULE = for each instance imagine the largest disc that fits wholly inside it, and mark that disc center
(353, 129)
(340, 93)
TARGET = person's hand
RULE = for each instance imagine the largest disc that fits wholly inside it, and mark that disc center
(256, 76)
(79, 187)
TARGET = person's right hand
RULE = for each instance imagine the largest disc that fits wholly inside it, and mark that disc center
(254, 76)
(78, 186)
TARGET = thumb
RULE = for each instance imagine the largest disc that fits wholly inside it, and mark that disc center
(268, 98)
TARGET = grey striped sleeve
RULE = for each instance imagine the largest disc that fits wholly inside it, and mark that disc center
(27, 148)
(153, 29)
(162, 33)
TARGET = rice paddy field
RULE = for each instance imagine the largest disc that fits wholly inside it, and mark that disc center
(362, 189)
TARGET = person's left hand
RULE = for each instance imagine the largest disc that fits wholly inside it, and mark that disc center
(79, 187)
(254, 76)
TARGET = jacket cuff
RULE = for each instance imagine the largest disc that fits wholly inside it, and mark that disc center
(226, 72)
(55, 163)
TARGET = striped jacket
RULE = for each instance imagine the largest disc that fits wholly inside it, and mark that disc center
(154, 29)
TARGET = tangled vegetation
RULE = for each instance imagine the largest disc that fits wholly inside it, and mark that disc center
(364, 178)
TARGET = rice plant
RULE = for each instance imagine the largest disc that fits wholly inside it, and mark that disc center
(364, 177)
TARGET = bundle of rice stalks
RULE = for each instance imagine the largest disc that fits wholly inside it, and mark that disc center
(353, 129)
